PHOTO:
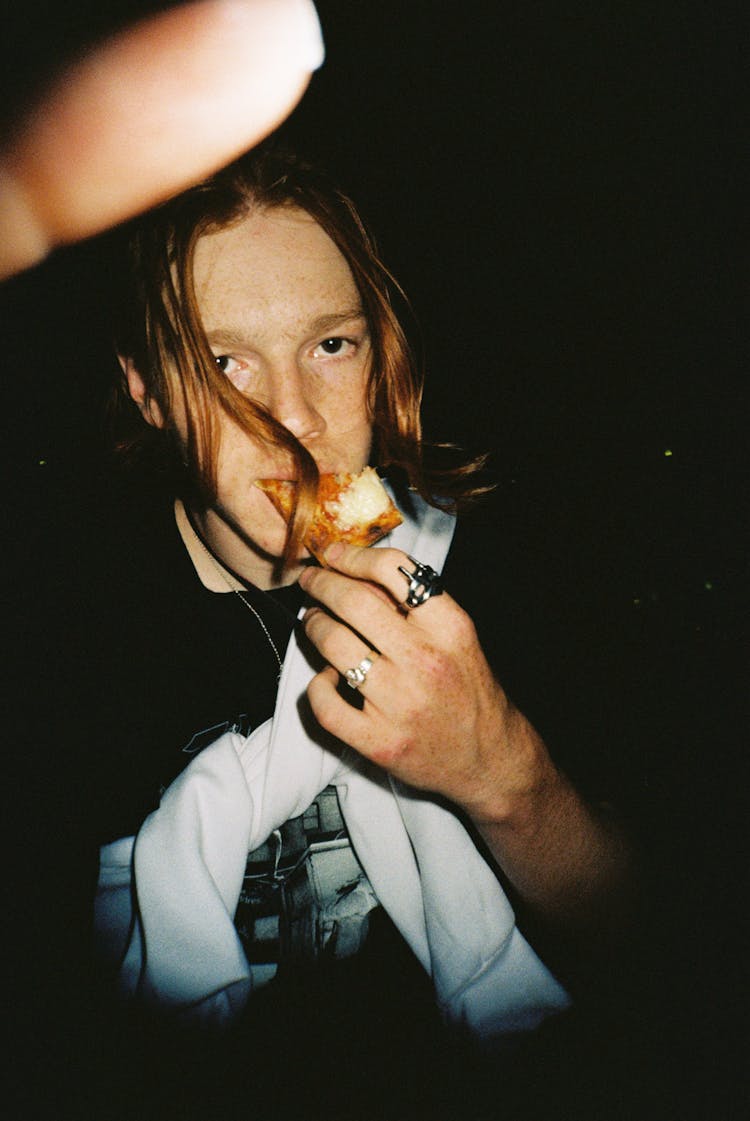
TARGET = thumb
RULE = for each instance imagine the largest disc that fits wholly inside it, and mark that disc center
(146, 113)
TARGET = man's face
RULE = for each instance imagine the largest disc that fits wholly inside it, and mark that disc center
(283, 318)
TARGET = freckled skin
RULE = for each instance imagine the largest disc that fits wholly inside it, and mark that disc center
(268, 290)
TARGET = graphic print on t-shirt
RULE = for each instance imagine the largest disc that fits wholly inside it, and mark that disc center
(200, 740)
(305, 895)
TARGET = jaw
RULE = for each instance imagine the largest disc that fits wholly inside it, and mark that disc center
(253, 555)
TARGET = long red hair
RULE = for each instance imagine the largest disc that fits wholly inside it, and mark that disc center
(158, 326)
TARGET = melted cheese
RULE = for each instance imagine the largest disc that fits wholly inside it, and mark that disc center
(364, 500)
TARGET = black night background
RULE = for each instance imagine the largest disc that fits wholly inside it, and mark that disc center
(559, 189)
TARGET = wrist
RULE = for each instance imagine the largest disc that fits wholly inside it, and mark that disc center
(523, 781)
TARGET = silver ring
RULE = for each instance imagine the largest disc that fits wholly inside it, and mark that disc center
(423, 583)
(357, 674)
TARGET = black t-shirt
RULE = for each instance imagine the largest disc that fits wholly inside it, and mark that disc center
(177, 665)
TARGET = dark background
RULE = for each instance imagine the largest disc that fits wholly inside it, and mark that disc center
(561, 190)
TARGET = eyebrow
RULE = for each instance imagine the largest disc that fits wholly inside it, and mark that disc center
(230, 336)
(327, 322)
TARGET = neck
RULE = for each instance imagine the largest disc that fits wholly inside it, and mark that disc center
(220, 558)
(207, 573)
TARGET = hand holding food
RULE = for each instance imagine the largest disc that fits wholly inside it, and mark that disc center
(433, 714)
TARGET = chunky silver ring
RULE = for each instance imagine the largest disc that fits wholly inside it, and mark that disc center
(423, 583)
(357, 674)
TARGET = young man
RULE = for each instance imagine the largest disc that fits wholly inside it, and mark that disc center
(250, 810)
(259, 341)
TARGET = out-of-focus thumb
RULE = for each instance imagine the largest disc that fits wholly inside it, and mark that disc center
(148, 112)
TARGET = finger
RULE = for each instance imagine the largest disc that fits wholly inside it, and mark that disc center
(349, 724)
(147, 113)
(390, 568)
(361, 607)
(340, 647)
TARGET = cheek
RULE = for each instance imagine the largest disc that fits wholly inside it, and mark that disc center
(238, 470)
(241, 459)
(257, 509)
(349, 432)
(251, 513)
(345, 404)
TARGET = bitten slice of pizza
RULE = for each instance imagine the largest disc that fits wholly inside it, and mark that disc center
(356, 509)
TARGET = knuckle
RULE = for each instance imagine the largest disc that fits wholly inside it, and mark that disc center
(392, 753)
(317, 624)
(390, 556)
(315, 693)
(388, 560)
(464, 629)
(312, 619)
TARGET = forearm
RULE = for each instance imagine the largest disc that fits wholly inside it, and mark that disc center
(570, 862)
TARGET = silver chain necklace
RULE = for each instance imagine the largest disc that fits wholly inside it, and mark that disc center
(224, 576)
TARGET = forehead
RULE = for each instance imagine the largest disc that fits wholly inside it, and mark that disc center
(271, 262)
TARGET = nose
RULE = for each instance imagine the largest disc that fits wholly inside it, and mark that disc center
(292, 403)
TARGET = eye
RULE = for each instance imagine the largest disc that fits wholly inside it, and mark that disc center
(237, 371)
(334, 346)
(227, 364)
